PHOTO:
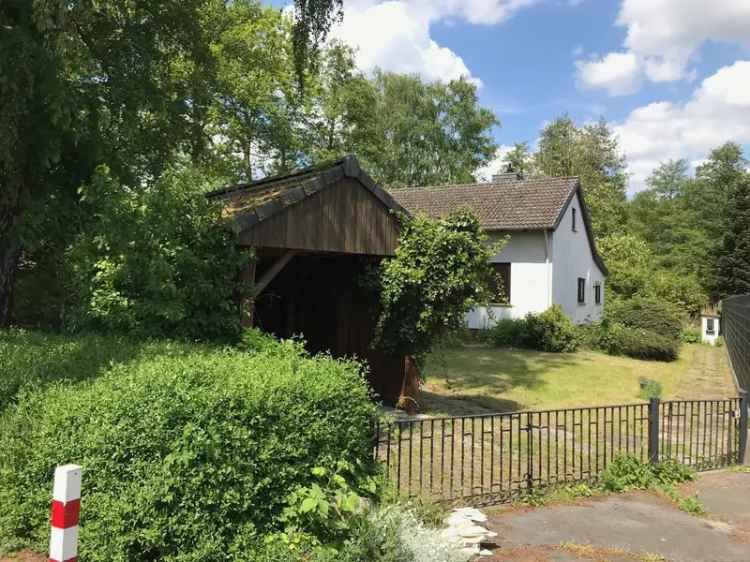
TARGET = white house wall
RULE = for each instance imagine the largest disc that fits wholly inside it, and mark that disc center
(572, 258)
(530, 279)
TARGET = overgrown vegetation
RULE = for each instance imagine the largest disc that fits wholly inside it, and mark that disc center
(197, 450)
(440, 271)
(624, 474)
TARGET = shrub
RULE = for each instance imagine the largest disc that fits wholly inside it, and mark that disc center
(508, 332)
(638, 343)
(691, 334)
(649, 389)
(649, 314)
(551, 330)
(186, 457)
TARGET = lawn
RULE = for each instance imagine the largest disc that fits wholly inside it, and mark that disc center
(476, 379)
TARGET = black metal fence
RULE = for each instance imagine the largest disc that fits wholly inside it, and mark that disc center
(735, 318)
(494, 457)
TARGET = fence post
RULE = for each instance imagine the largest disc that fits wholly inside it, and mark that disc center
(653, 430)
(743, 427)
(66, 507)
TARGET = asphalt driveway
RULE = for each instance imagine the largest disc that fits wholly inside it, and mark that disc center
(638, 526)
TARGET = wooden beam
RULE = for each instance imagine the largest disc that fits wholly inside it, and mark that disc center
(272, 272)
(247, 305)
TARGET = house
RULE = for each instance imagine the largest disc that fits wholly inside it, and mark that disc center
(314, 232)
(550, 257)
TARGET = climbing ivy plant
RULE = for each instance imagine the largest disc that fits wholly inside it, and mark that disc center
(439, 272)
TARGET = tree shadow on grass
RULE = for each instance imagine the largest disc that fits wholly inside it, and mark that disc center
(472, 380)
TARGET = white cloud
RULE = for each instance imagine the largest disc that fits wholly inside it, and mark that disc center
(395, 35)
(716, 113)
(664, 36)
(494, 166)
(618, 73)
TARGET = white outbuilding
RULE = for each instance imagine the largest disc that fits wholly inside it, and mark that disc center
(710, 325)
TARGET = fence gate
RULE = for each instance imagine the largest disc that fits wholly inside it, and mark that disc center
(491, 458)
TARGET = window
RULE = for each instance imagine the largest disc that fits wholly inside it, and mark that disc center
(598, 293)
(501, 283)
(581, 290)
(574, 221)
(710, 326)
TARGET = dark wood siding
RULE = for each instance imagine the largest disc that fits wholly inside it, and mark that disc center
(344, 218)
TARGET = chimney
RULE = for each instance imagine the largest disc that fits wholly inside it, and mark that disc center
(508, 175)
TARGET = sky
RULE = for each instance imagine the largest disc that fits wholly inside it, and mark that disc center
(672, 77)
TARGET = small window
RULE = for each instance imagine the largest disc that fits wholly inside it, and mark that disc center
(574, 223)
(710, 326)
(501, 283)
(598, 293)
(581, 290)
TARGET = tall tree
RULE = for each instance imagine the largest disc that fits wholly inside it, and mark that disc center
(592, 153)
(734, 262)
(520, 159)
(125, 83)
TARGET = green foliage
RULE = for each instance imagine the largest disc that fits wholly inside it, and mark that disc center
(197, 451)
(649, 389)
(691, 334)
(618, 339)
(31, 359)
(508, 332)
(156, 262)
(627, 472)
(591, 152)
(440, 271)
(549, 331)
(649, 314)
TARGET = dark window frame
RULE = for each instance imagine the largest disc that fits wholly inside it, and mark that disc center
(581, 290)
(575, 221)
(710, 326)
(502, 270)
(598, 293)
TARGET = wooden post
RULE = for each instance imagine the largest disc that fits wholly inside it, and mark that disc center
(248, 303)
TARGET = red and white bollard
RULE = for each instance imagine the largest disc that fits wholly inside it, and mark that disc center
(66, 507)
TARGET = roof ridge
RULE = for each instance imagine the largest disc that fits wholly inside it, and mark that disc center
(476, 184)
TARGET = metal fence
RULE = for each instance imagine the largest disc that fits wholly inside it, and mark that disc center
(735, 318)
(492, 458)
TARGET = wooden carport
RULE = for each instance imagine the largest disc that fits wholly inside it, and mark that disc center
(315, 232)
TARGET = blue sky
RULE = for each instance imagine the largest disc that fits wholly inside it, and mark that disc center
(671, 76)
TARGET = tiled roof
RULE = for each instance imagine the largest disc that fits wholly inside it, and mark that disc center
(506, 204)
(254, 202)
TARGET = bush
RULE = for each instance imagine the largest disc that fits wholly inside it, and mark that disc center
(551, 330)
(649, 389)
(638, 343)
(646, 314)
(508, 333)
(691, 334)
(186, 457)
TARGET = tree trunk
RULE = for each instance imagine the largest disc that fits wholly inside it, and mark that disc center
(10, 244)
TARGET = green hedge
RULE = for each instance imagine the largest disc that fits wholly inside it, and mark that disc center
(638, 343)
(186, 457)
(37, 359)
(644, 313)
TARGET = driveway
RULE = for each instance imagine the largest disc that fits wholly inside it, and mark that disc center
(638, 526)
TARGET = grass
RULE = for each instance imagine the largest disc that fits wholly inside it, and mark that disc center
(476, 379)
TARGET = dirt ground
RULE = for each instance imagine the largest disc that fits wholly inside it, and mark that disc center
(633, 527)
